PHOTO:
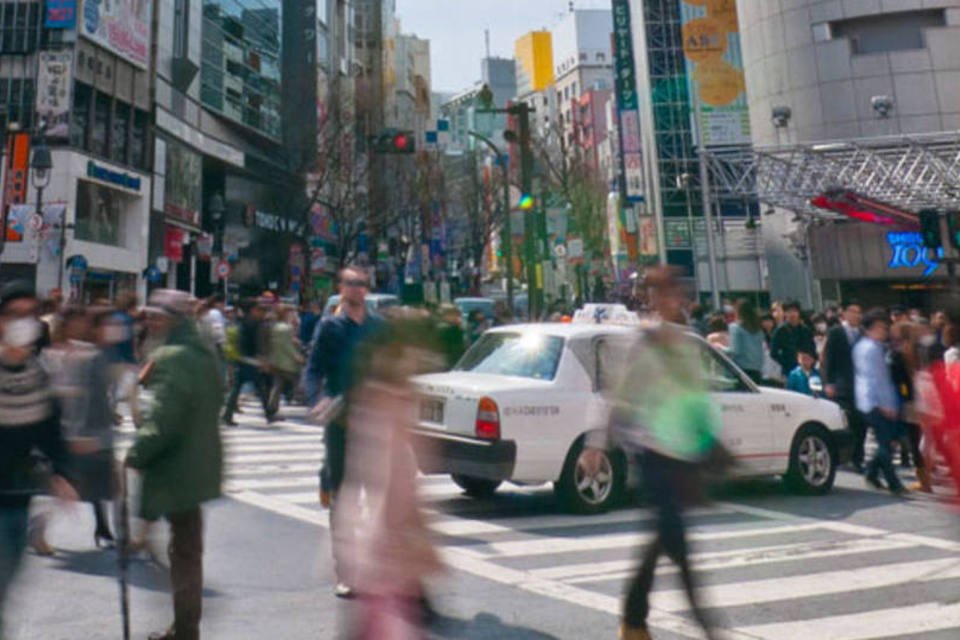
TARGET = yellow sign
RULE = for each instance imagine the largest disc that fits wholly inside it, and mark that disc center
(719, 82)
(704, 39)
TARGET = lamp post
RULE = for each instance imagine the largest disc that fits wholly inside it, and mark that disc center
(40, 165)
(217, 208)
(507, 237)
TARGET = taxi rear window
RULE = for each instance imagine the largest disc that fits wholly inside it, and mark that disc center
(525, 355)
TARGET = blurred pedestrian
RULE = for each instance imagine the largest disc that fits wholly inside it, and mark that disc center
(286, 358)
(119, 343)
(309, 317)
(769, 325)
(391, 553)
(818, 322)
(80, 378)
(746, 340)
(877, 398)
(28, 423)
(476, 325)
(252, 344)
(663, 417)
(904, 367)
(450, 335)
(838, 374)
(791, 337)
(718, 334)
(805, 378)
(329, 377)
(178, 450)
(214, 322)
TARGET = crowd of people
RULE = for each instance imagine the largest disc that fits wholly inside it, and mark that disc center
(888, 369)
(66, 370)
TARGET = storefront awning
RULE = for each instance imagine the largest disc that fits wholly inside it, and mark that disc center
(890, 177)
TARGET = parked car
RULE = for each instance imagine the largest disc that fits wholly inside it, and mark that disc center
(519, 404)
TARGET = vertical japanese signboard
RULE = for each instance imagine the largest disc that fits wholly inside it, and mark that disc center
(15, 187)
(627, 103)
(54, 88)
(714, 64)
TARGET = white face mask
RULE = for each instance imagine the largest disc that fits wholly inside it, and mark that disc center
(821, 327)
(21, 332)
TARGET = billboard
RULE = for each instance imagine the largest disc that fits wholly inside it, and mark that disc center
(714, 66)
(120, 26)
(61, 14)
(54, 90)
(631, 160)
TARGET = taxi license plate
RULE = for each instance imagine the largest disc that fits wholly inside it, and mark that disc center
(431, 411)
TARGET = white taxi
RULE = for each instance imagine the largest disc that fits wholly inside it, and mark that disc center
(519, 404)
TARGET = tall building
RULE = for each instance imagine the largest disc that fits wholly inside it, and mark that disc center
(88, 81)
(675, 75)
(582, 61)
(850, 72)
(534, 55)
(462, 109)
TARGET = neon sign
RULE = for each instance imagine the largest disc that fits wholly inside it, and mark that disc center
(909, 252)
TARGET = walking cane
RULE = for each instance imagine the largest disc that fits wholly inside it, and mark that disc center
(123, 555)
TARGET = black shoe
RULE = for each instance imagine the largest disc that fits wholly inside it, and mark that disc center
(162, 635)
(104, 539)
(873, 482)
(857, 467)
(229, 421)
(343, 590)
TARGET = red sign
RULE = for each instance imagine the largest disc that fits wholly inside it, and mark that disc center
(15, 187)
(173, 244)
(223, 269)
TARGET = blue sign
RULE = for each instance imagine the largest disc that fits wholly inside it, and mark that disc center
(118, 178)
(909, 252)
(91, 15)
(430, 137)
(61, 14)
(77, 262)
(153, 274)
(443, 125)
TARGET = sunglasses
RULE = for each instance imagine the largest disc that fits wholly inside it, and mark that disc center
(358, 283)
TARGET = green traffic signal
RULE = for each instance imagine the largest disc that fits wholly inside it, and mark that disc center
(953, 226)
(930, 228)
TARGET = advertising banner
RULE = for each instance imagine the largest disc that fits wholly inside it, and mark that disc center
(173, 243)
(183, 191)
(714, 63)
(61, 14)
(121, 26)
(17, 159)
(54, 89)
(627, 103)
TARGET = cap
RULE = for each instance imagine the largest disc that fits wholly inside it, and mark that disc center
(170, 301)
(16, 290)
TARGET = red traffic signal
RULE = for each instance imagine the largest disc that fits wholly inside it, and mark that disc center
(394, 141)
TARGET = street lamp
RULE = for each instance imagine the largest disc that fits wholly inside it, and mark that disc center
(506, 237)
(40, 165)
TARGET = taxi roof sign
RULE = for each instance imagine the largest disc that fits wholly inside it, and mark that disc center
(617, 314)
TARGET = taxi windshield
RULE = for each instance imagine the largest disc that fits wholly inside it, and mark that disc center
(527, 355)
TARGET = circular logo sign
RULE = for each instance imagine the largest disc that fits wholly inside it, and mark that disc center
(36, 222)
(223, 269)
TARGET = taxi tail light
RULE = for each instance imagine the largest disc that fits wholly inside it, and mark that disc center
(488, 420)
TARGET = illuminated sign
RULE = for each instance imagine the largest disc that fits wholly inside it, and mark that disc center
(909, 252)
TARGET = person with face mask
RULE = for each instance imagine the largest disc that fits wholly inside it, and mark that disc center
(28, 422)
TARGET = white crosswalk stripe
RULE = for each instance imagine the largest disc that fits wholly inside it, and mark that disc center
(746, 556)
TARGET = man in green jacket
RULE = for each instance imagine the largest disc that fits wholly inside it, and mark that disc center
(178, 450)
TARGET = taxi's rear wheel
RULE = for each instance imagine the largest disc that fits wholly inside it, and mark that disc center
(585, 493)
(476, 487)
(813, 461)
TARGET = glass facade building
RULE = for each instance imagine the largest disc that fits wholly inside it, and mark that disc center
(240, 67)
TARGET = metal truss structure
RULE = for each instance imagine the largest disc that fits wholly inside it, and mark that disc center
(906, 173)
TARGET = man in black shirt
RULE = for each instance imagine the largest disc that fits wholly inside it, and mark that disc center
(249, 368)
(837, 372)
(790, 338)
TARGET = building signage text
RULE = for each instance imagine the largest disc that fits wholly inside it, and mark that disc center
(909, 252)
(125, 180)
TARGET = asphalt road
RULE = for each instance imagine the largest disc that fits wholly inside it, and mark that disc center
(853, 564)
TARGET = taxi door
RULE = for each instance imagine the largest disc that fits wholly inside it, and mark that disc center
(746, 430)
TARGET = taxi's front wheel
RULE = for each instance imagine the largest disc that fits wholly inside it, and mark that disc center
(582, 491)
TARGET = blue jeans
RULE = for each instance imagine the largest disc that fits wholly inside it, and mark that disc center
(13, 540)
(885, 431)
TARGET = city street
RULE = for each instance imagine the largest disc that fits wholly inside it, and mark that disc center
(853, 564)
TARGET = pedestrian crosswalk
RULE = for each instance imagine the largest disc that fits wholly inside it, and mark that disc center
(765, 574)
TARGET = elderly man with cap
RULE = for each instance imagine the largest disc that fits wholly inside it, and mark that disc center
(28, 422)
(178, 450)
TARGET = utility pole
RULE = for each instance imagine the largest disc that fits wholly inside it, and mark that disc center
(506, 235)
(707, 205)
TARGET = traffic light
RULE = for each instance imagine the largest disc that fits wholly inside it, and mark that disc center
(953, 227)
(526, 202)
(394, 141)
(930, 228)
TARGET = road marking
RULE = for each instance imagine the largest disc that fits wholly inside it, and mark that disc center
(235, 470)
(753, 592)
(273, 457)
(307, 447)
(545, 546)
(719, 560)
(884, 623)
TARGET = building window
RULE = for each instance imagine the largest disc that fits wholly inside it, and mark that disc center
(888, 32)
(16, 102)
(583, 57)
(80, 115)
(120, 132)
(601, 57)
(101, 123)
(138, 140)
(98, 214)
(20, 28)
(181, 28)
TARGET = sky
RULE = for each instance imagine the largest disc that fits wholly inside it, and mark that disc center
(455, 30)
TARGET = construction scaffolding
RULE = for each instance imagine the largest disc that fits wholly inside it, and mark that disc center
(903, 173)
